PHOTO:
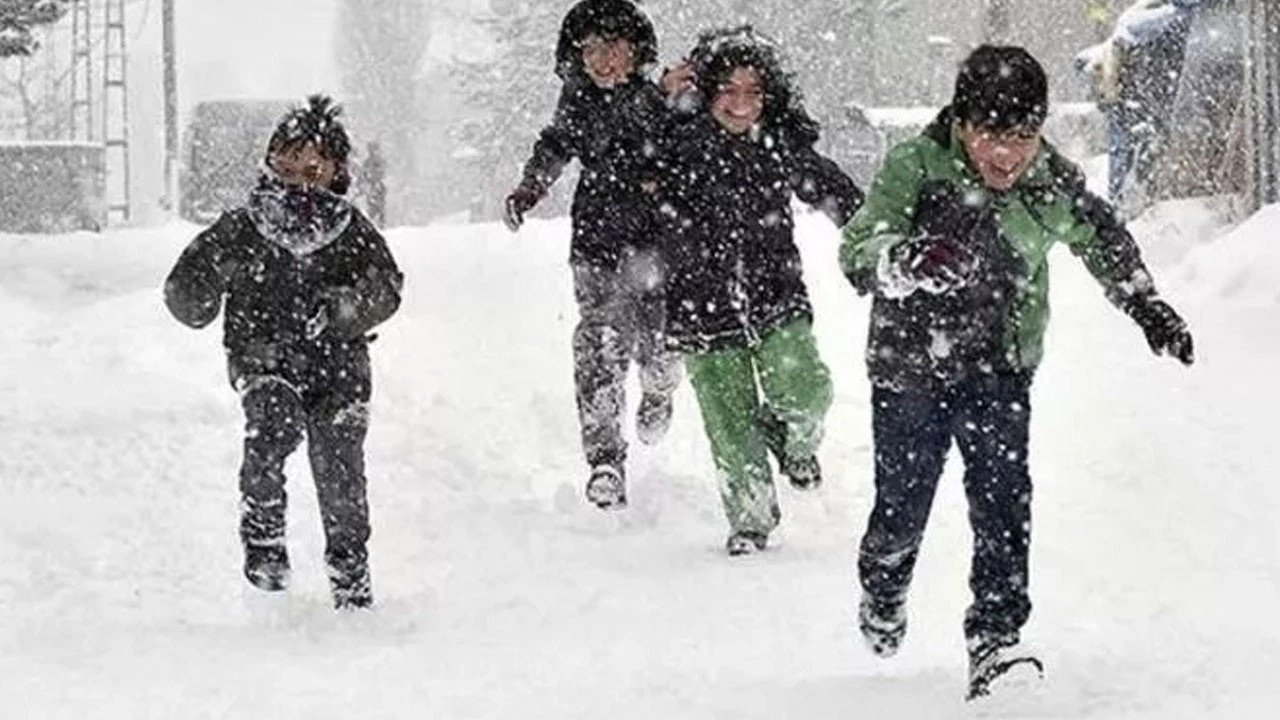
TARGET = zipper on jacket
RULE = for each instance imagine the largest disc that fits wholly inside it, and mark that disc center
(743, 297)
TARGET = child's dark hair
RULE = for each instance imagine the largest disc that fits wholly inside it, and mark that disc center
(1001, 87)
(606, 18)
(317, 123)
(719, 52)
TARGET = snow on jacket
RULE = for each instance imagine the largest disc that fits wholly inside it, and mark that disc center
(274, 293)
(733, 270)
(997, 322)
(614, 133)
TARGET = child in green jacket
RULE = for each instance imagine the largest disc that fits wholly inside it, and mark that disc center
(952, 244)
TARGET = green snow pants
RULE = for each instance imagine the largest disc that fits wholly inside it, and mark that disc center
(796, 388)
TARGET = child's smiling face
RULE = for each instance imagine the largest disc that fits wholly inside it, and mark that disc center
(1000, 157)
(609, 61)
(739, 102)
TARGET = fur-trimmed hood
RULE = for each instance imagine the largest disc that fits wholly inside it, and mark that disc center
(718, 52)
(618, 18)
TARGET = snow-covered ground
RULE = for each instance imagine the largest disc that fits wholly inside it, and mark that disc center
(1156, 554)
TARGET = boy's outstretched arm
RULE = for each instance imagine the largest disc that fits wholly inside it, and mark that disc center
(555, 147)
(374, 295)
(885, 218)
(819, 181)
(1114, 259)
(194, 289)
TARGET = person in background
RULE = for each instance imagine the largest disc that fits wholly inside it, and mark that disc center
(1135, 74)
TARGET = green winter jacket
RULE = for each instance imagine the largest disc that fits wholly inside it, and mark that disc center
(1048, 205)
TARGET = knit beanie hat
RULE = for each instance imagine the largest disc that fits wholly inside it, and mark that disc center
(1001, 87)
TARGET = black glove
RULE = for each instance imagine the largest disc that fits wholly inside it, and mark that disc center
(520, 201)
(336, 310)
(1166, 331)
(936, 263)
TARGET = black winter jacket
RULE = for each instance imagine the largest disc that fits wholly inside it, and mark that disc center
(616, 135)
(733, 268)
(271, 294)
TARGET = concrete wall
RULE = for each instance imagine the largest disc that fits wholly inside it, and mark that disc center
(51, 187)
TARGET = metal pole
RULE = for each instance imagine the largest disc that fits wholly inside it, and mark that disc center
(1265, 36)
(170, 109)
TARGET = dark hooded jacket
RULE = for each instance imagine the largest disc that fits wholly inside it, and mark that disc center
(610, 18)
(614, 133)
(276, 289)
(733, 268)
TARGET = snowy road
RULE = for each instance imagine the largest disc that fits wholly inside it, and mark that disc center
(1156, 554)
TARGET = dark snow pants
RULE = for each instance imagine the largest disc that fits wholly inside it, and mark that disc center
(622, 316)
(334, 420)
(989, 419)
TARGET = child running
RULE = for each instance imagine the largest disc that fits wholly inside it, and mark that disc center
(953, 246)
(737, 305)
(305, 278)
(609, 116)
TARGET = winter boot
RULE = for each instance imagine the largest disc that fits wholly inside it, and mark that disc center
(653, 417)
(804, 473)
(266, 564)
(745, 542)
(607, 488)
(350, 585)
(998, 661)
(883, 624)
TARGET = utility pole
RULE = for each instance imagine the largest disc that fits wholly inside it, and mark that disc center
(82, 125)
(1262, 99)
(115, 109)
(170, 110)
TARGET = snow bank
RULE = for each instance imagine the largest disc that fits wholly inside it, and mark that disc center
(1170, 230)
(1241, 266)
(503, 595)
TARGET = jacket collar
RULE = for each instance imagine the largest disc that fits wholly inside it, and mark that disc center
(301, 223)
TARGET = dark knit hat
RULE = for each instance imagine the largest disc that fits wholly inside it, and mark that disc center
(607, 18)
(318, 123)
(1001, 87)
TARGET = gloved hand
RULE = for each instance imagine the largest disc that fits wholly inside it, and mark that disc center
(1166, 331)
(933, 263)
(678, 79)
(337, 309)
(228, 269)
(520, 201)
